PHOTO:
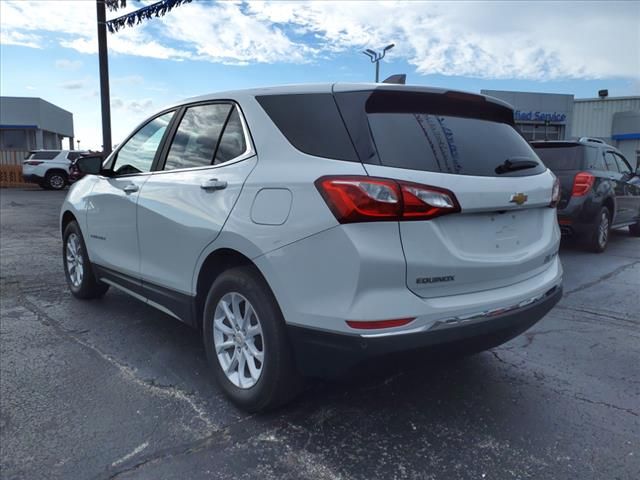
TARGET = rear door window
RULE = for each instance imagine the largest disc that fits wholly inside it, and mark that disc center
(560, 157)
(232, 142)
(195, 141)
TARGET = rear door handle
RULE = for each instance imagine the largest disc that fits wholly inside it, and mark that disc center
(213, 184)
(131, 188)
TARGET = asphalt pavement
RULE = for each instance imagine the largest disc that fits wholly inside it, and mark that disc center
(113, 388)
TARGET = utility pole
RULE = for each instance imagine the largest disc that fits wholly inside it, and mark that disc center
(375, 57)
(147, 12)
(105, 100)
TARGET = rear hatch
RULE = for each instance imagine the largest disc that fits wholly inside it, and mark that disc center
(565, 160)
(505, 231)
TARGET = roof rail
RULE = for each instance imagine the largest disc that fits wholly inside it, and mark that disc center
(592, 140)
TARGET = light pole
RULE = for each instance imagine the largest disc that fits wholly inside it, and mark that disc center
(78, 144)
(375, 57)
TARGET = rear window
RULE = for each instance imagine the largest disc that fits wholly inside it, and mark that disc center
(43, 155)
(311, 123)
(561, 157)
(453, 133)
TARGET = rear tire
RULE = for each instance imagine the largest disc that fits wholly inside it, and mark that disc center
(246, 341)
(599, 237)
(634, 229)
(55, 180)
(77, 267)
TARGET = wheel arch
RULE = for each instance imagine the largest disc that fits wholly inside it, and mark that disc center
(213, 265)
(67, 218)
(609, 202)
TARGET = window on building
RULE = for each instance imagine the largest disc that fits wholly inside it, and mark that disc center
(534, 131)
(14, 140)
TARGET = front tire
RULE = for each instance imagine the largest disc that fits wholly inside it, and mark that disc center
(246, 341)
(77, 267)
(634, 229)
(599, 237)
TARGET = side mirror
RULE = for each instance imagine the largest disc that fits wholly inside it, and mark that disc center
(90, 165)
(638, 171)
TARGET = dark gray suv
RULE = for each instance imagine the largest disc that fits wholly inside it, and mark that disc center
(599, 190)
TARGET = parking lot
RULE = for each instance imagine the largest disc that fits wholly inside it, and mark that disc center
(116, 389)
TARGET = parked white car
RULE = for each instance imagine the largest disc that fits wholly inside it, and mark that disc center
(49, 168)
(304, 229)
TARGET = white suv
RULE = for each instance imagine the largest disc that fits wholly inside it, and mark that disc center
(303, 229)
(49, 168)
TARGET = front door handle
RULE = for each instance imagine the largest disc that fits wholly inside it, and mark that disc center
(213, 184)
(131, 188)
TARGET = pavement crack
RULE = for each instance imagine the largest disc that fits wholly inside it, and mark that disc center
(501, 360)
(595, 313)
(126, 371)
(172, 452)
(602, 278)
(605, 404)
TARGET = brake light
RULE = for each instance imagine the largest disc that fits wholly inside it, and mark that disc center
(555, 193)
(33, 163)
(357, 198)
(376, 324)
(582, 183)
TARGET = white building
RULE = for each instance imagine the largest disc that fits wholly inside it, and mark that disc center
(616, 120)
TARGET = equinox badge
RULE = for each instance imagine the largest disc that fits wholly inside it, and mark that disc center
(518, 198)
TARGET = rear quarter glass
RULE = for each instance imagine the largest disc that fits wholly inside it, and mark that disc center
(311, 123)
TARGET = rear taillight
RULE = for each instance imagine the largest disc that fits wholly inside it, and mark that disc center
(582, 183)
(33, 163)
(555, 193)
(368, 199)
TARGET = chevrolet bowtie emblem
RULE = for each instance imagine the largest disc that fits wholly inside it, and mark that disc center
(518, 198)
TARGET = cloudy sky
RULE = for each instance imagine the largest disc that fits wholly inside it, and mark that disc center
(48, 49)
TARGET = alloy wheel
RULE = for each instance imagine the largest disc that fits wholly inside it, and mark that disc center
(603, 229)
(238, 340)
(75, 260)
(56, 182)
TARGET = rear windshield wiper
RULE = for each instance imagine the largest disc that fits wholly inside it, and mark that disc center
(513, 164)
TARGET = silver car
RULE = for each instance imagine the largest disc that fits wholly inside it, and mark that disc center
(304, 229)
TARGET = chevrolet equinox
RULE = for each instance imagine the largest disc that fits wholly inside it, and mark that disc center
(304, 229)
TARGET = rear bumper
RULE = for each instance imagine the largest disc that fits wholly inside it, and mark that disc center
(32, 178)
(579, 216)
(325, 354)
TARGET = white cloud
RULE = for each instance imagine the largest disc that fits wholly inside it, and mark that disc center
(10, 37)
(65, 64)
(73, 85)
(525, 40)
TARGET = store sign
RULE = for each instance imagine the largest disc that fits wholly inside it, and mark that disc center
(532, 116)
